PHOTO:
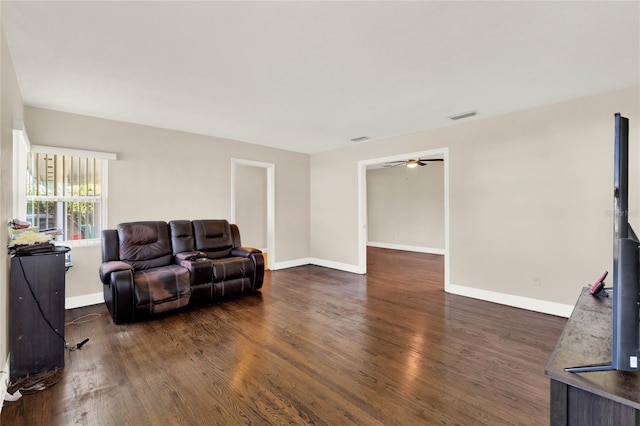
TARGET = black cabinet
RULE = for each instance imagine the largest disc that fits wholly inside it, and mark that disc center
(36, 309)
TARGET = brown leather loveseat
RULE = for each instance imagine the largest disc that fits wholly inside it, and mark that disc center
(155, 266)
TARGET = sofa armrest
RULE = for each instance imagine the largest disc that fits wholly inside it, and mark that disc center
(189, 255)
(107, 268)
(198, 264)
(244, 251)
(258, 261)
(119, 296)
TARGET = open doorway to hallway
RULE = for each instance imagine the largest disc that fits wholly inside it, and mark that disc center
(391, 195)
(253, 204)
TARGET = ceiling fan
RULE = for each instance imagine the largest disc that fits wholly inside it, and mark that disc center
(414, 162)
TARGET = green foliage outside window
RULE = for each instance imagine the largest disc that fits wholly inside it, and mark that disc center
(57, 186)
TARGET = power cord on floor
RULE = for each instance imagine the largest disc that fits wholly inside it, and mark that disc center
(82, 320)
(77, 346)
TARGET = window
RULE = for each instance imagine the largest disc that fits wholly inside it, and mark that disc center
(60, 188)
(65, 192)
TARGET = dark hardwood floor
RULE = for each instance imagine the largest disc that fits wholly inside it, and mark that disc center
(315, 346)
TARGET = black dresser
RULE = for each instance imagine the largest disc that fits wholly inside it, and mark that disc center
(36, 309)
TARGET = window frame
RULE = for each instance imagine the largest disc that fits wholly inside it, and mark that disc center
(22, 147)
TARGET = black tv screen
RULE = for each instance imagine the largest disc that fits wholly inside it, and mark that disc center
(625, 338)
(625, 341)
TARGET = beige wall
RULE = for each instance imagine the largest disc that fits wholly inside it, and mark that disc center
(163, 174)
(529, 192)
(405, 207)
(10, 109)
(530, 195)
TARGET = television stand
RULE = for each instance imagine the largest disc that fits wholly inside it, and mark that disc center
(603, 397)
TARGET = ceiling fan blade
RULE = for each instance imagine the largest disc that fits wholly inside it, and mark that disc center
(414, 162)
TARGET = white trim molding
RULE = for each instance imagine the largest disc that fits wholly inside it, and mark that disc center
(290, 263)
(362, 204)
(54, 150)
(355, 269)
(4, 381)
(21, 147)
(271, 202)
(417, 249)
(317, 262)
(530, 304)
(84, 300)
(18, 126)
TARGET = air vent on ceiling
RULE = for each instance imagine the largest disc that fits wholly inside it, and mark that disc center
(462, 115)
(360, 139)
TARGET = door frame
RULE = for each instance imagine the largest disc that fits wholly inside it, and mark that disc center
(362, 204)
(271, 197)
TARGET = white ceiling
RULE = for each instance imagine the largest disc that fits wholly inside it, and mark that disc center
(310, 76)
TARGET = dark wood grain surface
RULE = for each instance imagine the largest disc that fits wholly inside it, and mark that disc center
(315, 346)
(586, 340)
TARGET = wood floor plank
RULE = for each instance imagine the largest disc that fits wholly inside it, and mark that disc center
(315, 346)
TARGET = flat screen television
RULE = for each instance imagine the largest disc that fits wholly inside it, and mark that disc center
(625, 338)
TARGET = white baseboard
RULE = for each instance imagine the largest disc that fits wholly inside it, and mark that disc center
(336, 265)
(318, 262)
(417, 249)
(84, 300)
(536, 305)
(4, 382)
(290, 263)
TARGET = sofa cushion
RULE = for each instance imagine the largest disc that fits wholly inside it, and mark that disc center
(181, 236)
(231, 287)
(162, 289)
(145, 245)
(232, 267)
(213, 237)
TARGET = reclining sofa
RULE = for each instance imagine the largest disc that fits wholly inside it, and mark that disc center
(153, 267)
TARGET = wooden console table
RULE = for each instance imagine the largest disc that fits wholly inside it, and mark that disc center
(598, 397)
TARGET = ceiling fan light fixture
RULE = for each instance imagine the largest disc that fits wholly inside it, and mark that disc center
(411, 163)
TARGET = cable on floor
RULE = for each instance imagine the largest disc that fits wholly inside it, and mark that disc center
(83, 319)
(35, 382)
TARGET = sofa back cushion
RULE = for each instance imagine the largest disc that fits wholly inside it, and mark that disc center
(181, 236)
(145, 245)
(213, 237)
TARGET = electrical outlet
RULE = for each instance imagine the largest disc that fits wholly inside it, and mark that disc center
(537, 281)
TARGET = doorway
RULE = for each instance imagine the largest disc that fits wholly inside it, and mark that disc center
(363, 231)
(253, 204)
